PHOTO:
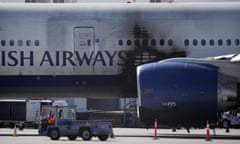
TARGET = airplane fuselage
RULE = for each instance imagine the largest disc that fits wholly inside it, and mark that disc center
(91, 50)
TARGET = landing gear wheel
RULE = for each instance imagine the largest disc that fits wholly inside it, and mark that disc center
(54, 134)
(174, 130)
(72, 137)
(86, 134)
(103, 137)
(21, 127)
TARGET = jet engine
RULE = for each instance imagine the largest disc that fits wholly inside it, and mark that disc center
(184, 94)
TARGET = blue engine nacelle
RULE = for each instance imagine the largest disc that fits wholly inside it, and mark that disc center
(180, 93)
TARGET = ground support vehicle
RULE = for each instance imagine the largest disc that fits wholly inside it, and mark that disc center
(230, 119)
(19, 113)
(57, 121)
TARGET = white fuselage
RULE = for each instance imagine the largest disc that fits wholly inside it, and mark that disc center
(93, 39)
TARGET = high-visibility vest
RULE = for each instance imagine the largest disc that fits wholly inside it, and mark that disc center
(51, 121)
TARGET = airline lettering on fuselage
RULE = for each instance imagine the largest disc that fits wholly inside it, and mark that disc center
(15, 58)
(62, 58)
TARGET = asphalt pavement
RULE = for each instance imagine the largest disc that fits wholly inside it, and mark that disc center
(128, 135)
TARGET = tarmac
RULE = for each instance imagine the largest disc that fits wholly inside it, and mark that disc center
(128, 135)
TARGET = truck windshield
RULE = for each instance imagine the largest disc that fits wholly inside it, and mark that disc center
(66, 113)
(47, 113)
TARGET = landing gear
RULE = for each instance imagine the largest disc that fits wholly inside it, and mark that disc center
(174, 129)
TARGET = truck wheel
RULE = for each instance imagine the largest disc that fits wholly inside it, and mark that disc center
(226, 124)
(54, 134)
(72, 137)
(103, 137)
(86, 134)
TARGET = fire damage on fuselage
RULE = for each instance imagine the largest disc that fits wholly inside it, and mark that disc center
(145, 50)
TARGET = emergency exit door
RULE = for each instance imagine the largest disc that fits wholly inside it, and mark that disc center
(84, 48)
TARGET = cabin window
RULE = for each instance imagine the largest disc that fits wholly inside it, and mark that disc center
(37, 43)
(211, 42)
(237, 42)
(11, 42)
(186, 42)
(137, 42)
(203, 42)
(220, 42)
(3, 43)
(195, 42)
(145, 42)
(28, 42)
(161, 42)
(170, 42)
(129, 42)
(228, 42)
(120, 42)
(153, 42)
(20, 43)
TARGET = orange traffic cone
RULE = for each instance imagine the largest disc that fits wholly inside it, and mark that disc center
(208, 137)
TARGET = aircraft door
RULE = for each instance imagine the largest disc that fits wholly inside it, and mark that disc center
(84, 49)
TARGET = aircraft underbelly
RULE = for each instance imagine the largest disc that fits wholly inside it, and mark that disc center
(59, 86)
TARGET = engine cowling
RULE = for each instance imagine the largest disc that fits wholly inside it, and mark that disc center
(183, 93)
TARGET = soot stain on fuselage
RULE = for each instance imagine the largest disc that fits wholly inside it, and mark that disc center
(145, 49)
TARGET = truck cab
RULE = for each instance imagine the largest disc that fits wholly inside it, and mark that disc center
(57, 121)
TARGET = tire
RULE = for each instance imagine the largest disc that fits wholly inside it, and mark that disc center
(21, 127)
(86, 134)
(226, 124)
(103, 137)
(72, 137)
(174, 130)
(36, 126)
(54, 134)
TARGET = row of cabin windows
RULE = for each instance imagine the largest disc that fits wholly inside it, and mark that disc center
(20, 43)
(146, 42)
(187, 42)
(212, 42)
(137, 42)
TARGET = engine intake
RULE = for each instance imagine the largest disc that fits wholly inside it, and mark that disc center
(183, 93)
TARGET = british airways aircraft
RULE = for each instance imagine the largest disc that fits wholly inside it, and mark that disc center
(92, 50)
